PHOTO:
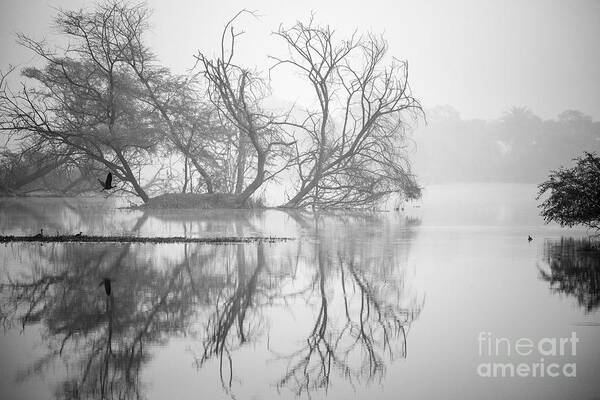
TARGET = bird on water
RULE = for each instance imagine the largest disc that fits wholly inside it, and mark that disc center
(107, 185)
(529, 238)
(106, 283)
(40, 235)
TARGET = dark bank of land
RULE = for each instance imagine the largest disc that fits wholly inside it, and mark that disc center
(138, 239)
(199, 201)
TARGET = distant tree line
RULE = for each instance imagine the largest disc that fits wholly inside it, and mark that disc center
(518, 147)
(104, 102)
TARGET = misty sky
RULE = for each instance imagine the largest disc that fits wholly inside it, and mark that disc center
(481, 57)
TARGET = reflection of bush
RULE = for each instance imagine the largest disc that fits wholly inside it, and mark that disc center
(574, 269)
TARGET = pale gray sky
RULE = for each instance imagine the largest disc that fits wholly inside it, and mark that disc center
(481, 57)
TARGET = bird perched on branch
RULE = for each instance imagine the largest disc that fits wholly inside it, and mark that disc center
(107, 185)
(106, 283)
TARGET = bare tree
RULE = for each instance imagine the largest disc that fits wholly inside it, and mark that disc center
(175, 97)
(350, 151)
(237, 93)
(105, 103)
(85, 98)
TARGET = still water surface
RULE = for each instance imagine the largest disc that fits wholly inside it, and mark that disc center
(379, 306)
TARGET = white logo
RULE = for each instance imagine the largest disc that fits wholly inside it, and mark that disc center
(526, 348)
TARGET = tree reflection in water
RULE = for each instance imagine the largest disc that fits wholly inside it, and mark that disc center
(360, 321)
(222, 296)
(102, 337)
(573, 268)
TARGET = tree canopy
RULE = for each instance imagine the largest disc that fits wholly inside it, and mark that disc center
(573, 194)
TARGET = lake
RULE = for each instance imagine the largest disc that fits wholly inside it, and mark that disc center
(445, 299)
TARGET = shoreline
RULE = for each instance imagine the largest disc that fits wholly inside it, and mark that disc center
(138, 239)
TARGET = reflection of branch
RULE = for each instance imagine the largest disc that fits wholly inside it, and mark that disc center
(232, 313)
(30, 294)
(108, 341)
(369, 330)
(358, 326)
(386, 323)
(310, 373)
(108, 353)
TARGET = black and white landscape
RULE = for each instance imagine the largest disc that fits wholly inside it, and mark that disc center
(299, 200)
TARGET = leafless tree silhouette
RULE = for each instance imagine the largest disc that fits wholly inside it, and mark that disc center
(237, 92)
(350, 150)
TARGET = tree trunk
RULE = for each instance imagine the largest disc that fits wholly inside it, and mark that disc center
(241, 164)
(131, 178)
(293, 202)
(185, 174)
(204, 175)
(258, 180)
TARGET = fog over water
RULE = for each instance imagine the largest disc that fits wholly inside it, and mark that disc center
(433, 278)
